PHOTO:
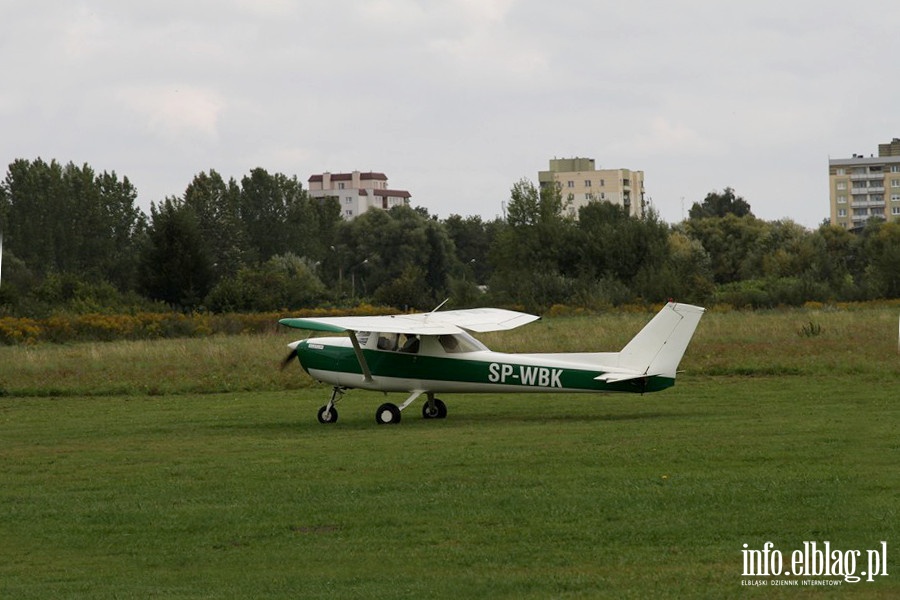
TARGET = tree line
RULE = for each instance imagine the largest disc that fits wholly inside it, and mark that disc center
(75, 240)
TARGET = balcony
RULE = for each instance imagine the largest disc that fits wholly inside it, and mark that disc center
(866, 176)
(868, 204)
(873, 189)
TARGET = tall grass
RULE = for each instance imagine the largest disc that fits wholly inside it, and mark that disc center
(857, 341)
(214, 364)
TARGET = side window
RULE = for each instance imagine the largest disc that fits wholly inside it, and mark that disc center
(409, 343)
(387, 341)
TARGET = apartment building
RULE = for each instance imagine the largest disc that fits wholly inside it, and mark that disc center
(356, 192)
(864, 187)
(581, 182)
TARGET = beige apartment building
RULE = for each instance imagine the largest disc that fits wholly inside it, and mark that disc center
(581, 183)
(356, 192)
(864, 187)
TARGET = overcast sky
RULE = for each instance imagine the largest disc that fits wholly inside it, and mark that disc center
(456, 100)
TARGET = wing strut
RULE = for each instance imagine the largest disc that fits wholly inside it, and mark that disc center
(367, 374)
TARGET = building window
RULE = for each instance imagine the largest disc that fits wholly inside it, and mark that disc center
(341, 185)
(841, 185)
(841, 171)
(588, 197)
(895, 168)
(602, 183)
(587, 183)
(895, 210)
(348, 200)
(895, 183)
(571, 184)
(842, 212)
(842, 199)
(348, 212)
(895, 197)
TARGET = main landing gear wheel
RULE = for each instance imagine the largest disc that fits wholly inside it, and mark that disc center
(387, 413)
(434, 409)
(328, 416)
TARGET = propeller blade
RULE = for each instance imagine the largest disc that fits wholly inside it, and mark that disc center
(287, 359)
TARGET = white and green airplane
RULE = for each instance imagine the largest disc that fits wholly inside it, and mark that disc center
(434, 353)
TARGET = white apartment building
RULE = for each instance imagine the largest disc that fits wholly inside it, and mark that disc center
(356, 192)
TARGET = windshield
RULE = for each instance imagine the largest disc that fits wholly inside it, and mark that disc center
(460, 342)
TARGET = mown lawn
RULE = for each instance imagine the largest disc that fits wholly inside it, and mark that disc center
(771, 435)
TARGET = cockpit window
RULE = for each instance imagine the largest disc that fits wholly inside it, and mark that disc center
(410, 343)
(387, 341)
(460, 342)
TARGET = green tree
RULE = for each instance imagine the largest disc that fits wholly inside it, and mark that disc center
(216, 205)
(472, 239)
(284, 282)
(266, 204)
(534, 255)
(71, 220)
(881, 252)
(719, 205)
(835, 258)
(175, 265)
(618, 247)
(687, 272)
(34, 213)
(311, 225)
(729, 241)
(389, 253)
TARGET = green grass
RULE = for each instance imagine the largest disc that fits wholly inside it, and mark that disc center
(770, 435)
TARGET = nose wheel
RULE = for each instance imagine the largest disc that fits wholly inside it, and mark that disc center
(328, 413)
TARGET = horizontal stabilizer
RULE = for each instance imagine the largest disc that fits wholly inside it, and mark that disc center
(617, 376)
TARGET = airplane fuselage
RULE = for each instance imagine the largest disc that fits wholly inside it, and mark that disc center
(334, 361)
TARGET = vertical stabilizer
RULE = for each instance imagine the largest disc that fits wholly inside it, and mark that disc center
(658, 347)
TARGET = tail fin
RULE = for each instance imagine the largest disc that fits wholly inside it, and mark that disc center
(658, 347)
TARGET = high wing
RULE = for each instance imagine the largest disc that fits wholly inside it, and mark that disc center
(434, 323)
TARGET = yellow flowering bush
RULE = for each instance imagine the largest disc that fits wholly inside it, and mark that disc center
(62, 328)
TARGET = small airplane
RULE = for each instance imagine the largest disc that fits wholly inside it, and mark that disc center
(434, 353)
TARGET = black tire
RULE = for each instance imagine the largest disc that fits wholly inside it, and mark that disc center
(438, 410)
(332, 415)
(387, 414)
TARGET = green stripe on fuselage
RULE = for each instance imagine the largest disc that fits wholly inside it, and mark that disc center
(504, 371)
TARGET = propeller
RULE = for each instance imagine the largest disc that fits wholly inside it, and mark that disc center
(287, 359)
(291, 356)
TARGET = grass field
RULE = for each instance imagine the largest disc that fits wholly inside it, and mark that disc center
(193, 469)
